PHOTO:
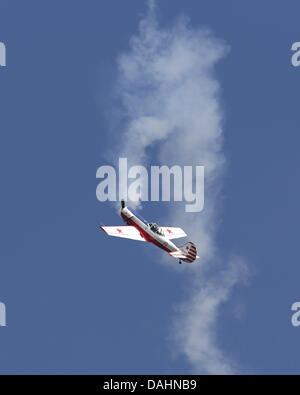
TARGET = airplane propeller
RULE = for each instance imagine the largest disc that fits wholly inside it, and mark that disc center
(123, 203)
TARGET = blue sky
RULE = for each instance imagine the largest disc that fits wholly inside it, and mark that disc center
(78, 302)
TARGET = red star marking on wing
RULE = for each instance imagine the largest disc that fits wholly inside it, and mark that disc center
(169, 230)
(119, 230)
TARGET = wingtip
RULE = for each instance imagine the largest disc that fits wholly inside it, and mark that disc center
(102, 228)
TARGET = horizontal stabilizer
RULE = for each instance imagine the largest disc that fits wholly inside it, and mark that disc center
(177, 255)
(186, 253)
(190, 252)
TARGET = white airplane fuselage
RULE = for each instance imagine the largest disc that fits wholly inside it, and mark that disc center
(141, 225)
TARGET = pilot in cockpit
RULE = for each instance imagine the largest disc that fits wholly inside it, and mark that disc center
(155, 228)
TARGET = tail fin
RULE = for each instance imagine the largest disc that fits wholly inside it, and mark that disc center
(190, 252)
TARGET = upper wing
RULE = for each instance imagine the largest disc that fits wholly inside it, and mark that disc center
(173, 233)
(128, 232)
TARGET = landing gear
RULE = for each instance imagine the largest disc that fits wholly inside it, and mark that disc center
(179, 262)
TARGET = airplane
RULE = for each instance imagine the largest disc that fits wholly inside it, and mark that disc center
(139, 229)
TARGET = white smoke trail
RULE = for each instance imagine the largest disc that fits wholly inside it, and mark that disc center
(171, 95)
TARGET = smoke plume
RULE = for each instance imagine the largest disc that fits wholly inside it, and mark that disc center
(171, 105)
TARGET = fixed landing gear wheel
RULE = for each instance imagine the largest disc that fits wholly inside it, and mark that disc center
(179, 262)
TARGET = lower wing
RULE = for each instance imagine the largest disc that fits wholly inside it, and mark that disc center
(127, 232)
(173, 233)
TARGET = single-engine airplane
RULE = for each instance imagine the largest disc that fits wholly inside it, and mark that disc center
(139, 229)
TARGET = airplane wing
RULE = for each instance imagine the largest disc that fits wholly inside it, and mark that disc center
(127, 232)
(173, 233)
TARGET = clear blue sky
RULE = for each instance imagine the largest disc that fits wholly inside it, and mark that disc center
(80, 303)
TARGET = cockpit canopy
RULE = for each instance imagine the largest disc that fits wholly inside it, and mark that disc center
(156, 229)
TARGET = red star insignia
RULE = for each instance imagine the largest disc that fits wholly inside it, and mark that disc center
(119, 230)
(169, 230)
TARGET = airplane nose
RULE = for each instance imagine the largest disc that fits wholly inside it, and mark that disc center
(122, 215)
